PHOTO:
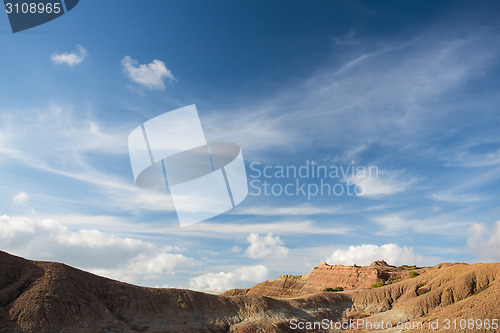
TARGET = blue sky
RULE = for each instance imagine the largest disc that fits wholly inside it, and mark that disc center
(408, 87)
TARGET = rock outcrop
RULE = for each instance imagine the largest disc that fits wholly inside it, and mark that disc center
(324, 276)
(283, 286)
(346, 277)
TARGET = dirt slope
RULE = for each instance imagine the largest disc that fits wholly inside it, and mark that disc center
(52, 297)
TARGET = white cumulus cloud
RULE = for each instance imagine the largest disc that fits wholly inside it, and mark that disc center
(263, 246)
(365, 254)
(102, 253)
(70, 58)
(484, 241)
(150, 75)
(242, 277)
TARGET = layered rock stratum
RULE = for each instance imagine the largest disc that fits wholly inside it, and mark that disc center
(330, 276)
(40, 296)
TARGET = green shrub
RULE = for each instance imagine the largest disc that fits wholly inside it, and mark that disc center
(411, 268)
(378, 284)
(328, 289)
(414, 274)
(393, 279)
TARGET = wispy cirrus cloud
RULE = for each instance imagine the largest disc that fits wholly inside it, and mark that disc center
(304, 209)
(363, 100)
(74, 143)
(466, 186)
(399, 224)
(60, 126)
(466, 158)
(282, 227)
(381, 184)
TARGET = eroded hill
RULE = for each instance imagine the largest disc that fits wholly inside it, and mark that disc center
(52, 297)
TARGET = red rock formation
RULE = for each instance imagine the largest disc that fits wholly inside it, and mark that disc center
(332, 276)
(347, 277)
(285, 285)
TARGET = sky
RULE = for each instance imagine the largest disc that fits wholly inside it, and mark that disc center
(398, 100)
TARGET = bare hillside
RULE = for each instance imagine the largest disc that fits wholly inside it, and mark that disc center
(52, 297)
